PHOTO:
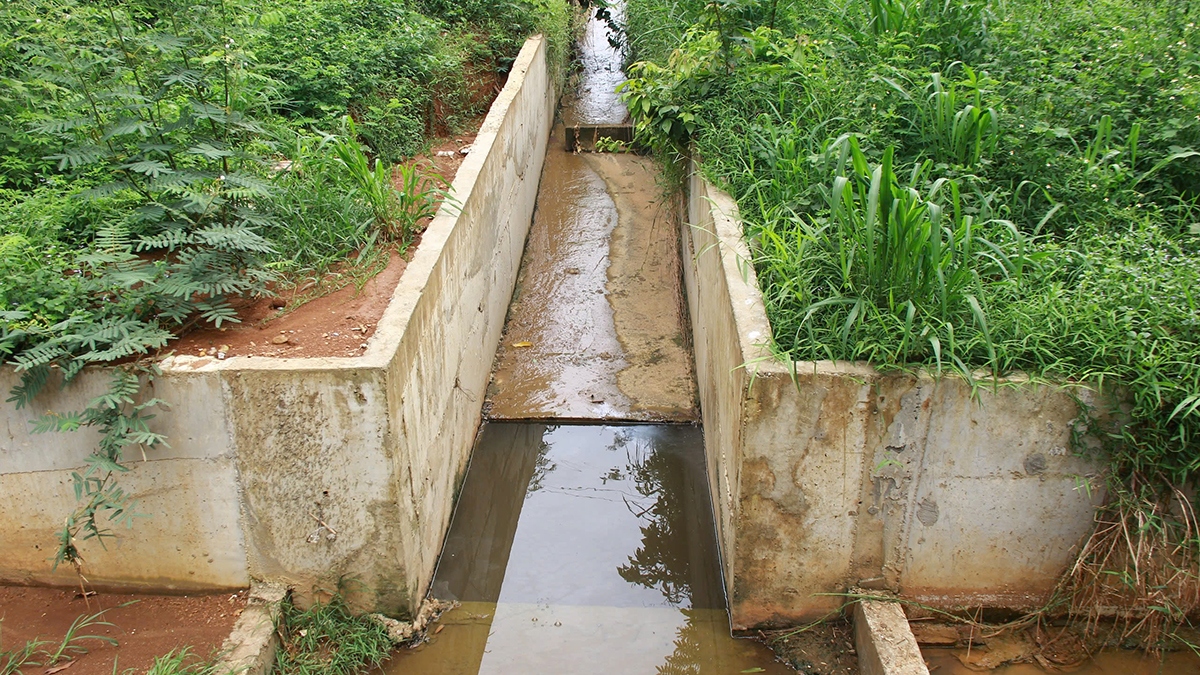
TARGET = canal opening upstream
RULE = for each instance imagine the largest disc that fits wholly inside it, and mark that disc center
(583, 538)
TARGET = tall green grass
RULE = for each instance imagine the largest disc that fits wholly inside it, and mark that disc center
(977, 185)
(329, 639)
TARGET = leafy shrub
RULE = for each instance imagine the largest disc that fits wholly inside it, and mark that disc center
(157, 160)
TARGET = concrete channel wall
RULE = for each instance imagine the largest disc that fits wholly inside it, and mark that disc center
(264, 451)
(827, 476)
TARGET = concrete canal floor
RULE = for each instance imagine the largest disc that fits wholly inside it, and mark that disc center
(597, 329)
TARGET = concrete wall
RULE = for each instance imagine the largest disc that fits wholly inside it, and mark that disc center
(373, 446)
(830, 475)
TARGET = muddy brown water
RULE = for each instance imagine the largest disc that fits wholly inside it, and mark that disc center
(595, 99)
(597, 328)
(947, 662)
(584, 549)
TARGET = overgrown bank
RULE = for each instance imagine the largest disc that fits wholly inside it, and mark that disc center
(966, 186)
(155, 167)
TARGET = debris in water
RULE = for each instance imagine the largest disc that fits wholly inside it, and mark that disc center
(999, 651)
(935, 635)
(522, 344)
(402, 632)
(572, 270)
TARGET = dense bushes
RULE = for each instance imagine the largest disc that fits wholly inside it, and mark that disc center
(1016, 160)
(159, 158)
(962, 185)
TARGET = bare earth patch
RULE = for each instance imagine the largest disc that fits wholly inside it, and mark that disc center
(824, 649)
(151, 626)
(334, 324)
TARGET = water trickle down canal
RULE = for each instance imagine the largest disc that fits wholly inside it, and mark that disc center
(589, 548)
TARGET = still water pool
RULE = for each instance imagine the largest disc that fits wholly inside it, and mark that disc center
(584, 549)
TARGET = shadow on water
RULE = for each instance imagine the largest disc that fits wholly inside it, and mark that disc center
(584, 549)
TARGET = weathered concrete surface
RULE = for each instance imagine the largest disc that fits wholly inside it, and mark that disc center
(193, 539)
(828, 475)
(597, 329)
(302, 470)
(251, 645)
(884, 641)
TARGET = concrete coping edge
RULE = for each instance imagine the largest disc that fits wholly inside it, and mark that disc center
(251, 645)
(391, 327)
(884, 641)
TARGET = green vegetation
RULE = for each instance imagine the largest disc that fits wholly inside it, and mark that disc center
(180, 662)
(329, 639)
(39, 654)
(161, 158)
(969, 185)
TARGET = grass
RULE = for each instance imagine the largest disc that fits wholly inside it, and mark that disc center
(47, 653)
(179, 662)
(1009, 186)
(329, 639)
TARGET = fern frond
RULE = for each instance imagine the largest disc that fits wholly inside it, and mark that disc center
(77, 156)
(57, 422)
(33, 381)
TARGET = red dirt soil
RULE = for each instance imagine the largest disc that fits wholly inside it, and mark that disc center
(337, 324)
(151, 627)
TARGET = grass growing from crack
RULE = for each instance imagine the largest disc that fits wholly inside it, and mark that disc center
(329, 639)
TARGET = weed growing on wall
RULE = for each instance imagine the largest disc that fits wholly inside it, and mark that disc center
(965, 186)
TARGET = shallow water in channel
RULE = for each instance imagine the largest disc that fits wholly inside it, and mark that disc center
(584, 549)
(946, 662)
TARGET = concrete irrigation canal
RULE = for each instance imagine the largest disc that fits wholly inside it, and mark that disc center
(568, 420)
(578, 545)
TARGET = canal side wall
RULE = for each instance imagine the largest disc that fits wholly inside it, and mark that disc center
(830, 475)
(307, 471)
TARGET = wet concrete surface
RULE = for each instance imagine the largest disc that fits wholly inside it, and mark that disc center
(597, 328)
(584, 549)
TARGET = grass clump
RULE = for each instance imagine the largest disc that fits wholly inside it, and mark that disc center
(968, 186)
(37, 654)
(329, 639)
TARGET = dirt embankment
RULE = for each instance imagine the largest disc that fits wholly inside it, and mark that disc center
(144, 626)
(333, 324)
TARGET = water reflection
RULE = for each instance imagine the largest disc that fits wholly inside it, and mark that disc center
(674, 557)
(580, 549)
